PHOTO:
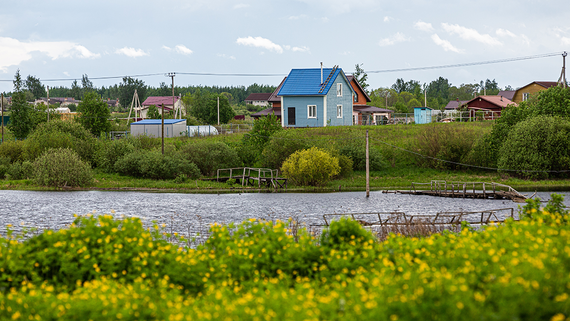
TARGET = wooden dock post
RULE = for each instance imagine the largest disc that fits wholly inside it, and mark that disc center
(464, 189)
(367, 167)
(484, 194)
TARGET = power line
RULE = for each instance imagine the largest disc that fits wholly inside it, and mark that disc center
(488, 62)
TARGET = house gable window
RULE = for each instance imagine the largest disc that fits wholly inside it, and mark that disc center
(338, 111)
(339, 90)
(526, 96)
(311, 111)
(355, 97)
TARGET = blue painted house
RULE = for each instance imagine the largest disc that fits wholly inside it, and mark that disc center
(316, 97)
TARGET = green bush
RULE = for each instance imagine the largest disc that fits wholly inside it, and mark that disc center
(210, 156)
(313, 167)
(153, 164)
(356, 150)
(346, 165)
(539, 143)
(61, 134)
(145, 142)
(21, 170)
(446, 142)
(62, 167)
(281, 145)
(4, 166)
(13, 150)
(111, 152)
(344, 233)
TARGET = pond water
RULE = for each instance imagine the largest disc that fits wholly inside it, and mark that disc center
(185, 212)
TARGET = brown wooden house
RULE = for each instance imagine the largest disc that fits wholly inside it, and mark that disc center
(275, 103)
(490, 107)
(524, 93)
(362, 113)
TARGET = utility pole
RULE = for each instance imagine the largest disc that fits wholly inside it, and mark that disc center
(425, 95)
(171, 75)
(367, 167)
(218, 110)
(2, 117)
(162, 134)
(48, 101)
(562, 79)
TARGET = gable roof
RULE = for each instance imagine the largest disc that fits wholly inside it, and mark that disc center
(350, 79)
(307, 82)
(495, 100)
(258, 96)
(274, 96)
(158, 121)
(509, 94)
(159, 100)
(454, 104)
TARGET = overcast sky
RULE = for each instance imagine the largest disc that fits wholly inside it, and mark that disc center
(61, 39)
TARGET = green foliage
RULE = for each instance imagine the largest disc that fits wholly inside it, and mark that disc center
(346, 166)
(13, 150)
(254, 142)
(533, 210)
(449, 143)
(540, 143)
(312, 167)
(94, 114)
(127, 89)
(204, 106)
(111, 152)
(62, 167)
(153, 164)
(60, 134)
(20, 122)
(281, 145)
(153, 112)
(34, 85)
(210, 156)
(356, 151)
(19, 170)
(361, 76)
(345, 233)
(4, 166)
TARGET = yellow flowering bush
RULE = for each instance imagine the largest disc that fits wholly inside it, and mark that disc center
(105, 269)
(312, 167)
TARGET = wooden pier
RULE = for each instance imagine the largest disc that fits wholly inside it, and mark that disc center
(478, 190)
(384, 219)
(250, 176)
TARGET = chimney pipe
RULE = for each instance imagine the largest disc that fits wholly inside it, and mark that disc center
(321, 72)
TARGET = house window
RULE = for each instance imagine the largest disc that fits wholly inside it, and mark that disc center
(338, 111)
(339, 90)
(312, 111)
(355, 97)
(526, 96)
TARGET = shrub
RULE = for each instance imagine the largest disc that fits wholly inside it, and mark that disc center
(314, 167)
(446, 142)
(356, 150)
(281, 146)
(539, 143)
(62, 167)
(4, 166)
(21, 170)
(345, 232)
(258, 137)
(153, 164)
(111, 152)
(145, 142)
(346, 166)
(13, 150)
(210, 156)
(60, 134)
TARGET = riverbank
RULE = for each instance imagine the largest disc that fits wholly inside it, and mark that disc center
(390, 179)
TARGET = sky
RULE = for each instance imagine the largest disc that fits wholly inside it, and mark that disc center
(259, 41)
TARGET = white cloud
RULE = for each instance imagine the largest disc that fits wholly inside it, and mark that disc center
(226, 56)
(342, 6)
(15, 52)
(565, 41)
(299, 17)
(398, 37)
(241, 6)
(446, 45)
(470, 34)
(166, 48)
(66, 73)
(260, 43)
(131, 52)
(388, 19)
(423, 26)
(505, 33)
(183, 50)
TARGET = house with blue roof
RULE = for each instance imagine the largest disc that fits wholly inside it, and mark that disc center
(316, 97)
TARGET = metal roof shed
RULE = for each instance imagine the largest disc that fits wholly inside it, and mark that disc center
(422, 115)
(152, 127)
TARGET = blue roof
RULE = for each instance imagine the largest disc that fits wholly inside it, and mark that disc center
(158, 122)
(307, 82)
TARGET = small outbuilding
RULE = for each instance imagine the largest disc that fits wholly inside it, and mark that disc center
(153, 127)
(422, 115)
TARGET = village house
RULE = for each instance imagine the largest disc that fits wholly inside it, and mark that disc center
(158, 101)
(274, 101)
(524, 93)
(316, 97)
(260, 99)
(488, 107)
(362, 113)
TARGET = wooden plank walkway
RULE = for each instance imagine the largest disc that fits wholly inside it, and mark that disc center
(440, 218)
(479, 190)
(250, 176)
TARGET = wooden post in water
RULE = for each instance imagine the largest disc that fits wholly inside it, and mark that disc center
(2, 99)
(367, 167)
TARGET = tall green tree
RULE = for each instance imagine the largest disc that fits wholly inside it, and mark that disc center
(127, 90)
(75, 91)
(86, 85)
(20, 121)
(361, 76)
(204, 106)
(34, 85)
(95, 114)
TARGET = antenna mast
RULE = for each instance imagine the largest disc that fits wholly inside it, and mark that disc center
(136, 105)
(562, 79)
